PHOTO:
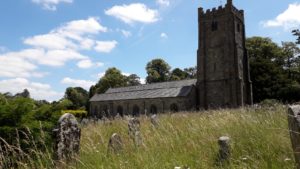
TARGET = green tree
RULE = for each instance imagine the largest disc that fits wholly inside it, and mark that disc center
(296, 33)
(133, 80)
(292, 55)
(112, 78)
(178, 74)
(267, 62)
(78, 96)
(192, 72)
(24, 94)
(158, 71)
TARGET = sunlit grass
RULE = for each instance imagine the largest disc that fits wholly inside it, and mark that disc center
(259, 139)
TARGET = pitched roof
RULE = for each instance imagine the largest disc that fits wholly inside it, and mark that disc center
(156, 90)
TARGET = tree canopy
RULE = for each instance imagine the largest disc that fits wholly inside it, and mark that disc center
(78, 96)
(271, 67)
(158, 70)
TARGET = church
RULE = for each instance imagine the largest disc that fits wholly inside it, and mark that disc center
(223, 75)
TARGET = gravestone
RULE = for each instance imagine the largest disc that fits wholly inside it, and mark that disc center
(67, 137)
(115, 144)
(134, 131)
(294, 128)
(154, 120)
(224, 148)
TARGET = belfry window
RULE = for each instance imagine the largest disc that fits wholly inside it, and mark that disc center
(214, 26)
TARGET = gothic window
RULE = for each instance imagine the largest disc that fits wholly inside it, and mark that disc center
(214, 26)
(120, 110)
(174, 108)
(153, 109)
(135, 111)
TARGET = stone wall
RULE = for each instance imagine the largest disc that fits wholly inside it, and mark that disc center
(223, 68)
(144, 106)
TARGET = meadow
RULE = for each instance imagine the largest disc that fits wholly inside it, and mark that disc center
(259, 138)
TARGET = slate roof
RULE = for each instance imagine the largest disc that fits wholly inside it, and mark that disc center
(156, 90)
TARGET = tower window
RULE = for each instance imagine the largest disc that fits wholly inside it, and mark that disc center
(214, 26)
(238, 27)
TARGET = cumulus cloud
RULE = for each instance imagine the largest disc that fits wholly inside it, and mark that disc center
(72, 35)
(105, 46)
(136, 12)
(87, 63)
(288, 19)
(163, 2)
(51, 4)
(39, 91)
(55, 48)
(163, 35)
(15, 67)
(86, 84)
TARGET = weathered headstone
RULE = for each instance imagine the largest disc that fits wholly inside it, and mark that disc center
(67, 137)
(115, 144)
(224, 148)
(154, 120)
(134, 131)
(294, 128)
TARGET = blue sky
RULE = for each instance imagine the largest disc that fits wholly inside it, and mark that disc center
(48, 45)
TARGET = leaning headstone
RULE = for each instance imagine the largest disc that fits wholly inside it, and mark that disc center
(115, 144)
(224, 151)
(294, 128)
(134, 131)
(67, 137)
(154, 120)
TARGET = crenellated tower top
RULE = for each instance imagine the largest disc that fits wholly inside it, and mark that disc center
(229, 7)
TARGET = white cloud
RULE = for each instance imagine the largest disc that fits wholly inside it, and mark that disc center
(87, 63)
(288, 19)
(72, 35)
(86, 84)
(163, 2)
(163, 35)
(125, 32)
(51, 4)
(15, 67)
(37, 91)
(49, 41)
(143, 80)
(126, 74)
(136, 12)
(105, 46)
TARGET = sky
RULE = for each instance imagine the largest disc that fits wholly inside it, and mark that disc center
(49, 45)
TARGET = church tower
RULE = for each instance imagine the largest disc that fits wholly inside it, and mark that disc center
(223, 77)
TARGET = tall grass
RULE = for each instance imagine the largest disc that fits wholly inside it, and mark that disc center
(259, 139)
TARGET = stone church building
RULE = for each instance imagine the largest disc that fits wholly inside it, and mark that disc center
(223, 78)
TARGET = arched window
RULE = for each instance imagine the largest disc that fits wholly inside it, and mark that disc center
(153, 109)
(174, 108)
(105, 111)
(96, 110)
(120, 110)
(135, 110)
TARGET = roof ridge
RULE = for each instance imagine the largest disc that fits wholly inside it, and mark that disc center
(147, 85)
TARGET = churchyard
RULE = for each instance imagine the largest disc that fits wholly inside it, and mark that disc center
(258, 138)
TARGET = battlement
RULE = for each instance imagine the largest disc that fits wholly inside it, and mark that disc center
(221, 10)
